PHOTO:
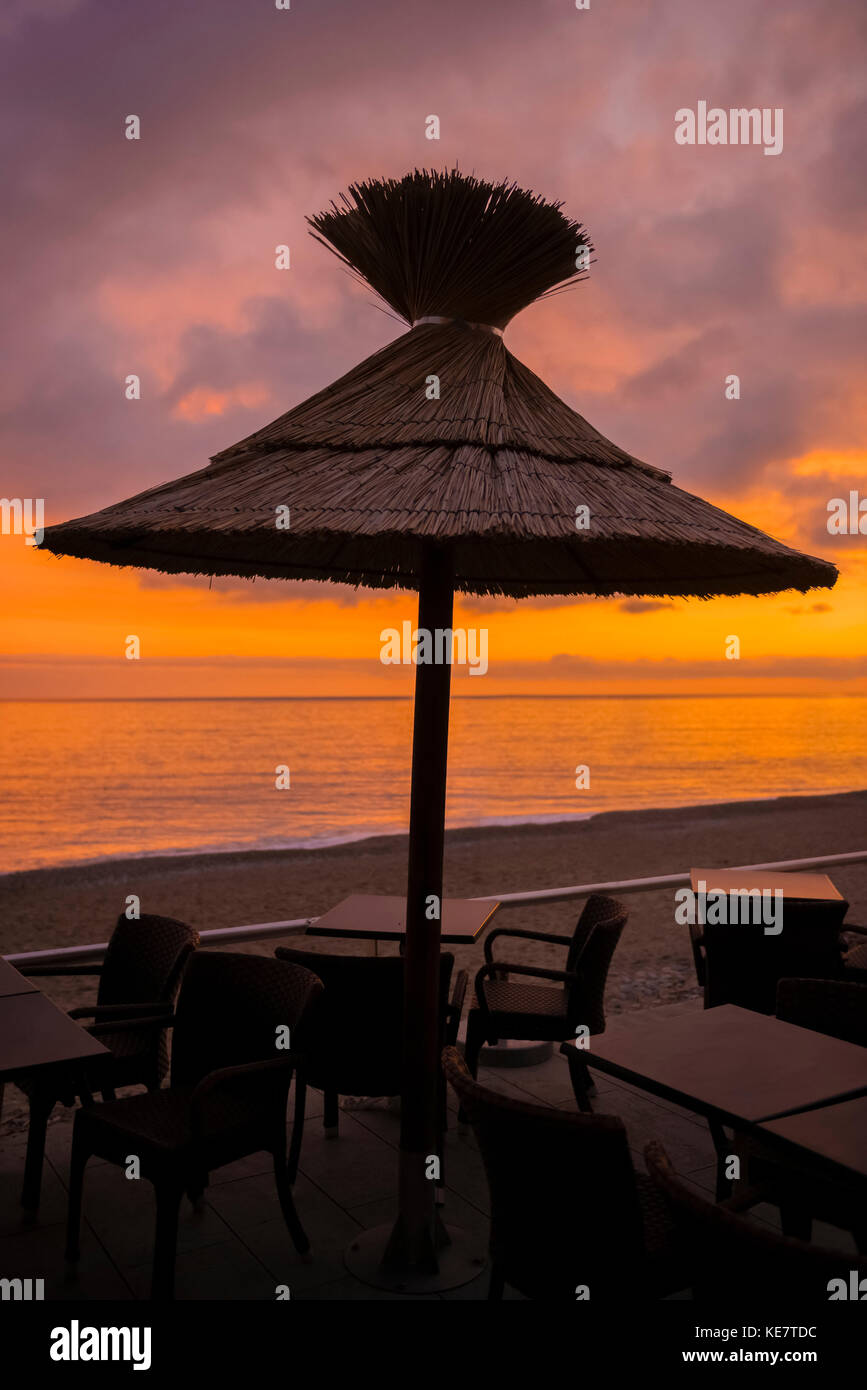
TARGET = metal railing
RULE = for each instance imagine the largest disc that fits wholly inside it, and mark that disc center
(263, 931)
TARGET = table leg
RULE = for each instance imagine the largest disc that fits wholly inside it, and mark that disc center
(721, 1144)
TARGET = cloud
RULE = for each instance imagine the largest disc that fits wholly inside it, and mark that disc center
(809, 667)
(643, 605)
(156, 256)
(798, 609)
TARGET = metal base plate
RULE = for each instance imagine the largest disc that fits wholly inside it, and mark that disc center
(460, 1262)
(516, 1054)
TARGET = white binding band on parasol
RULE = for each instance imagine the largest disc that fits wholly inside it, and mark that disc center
(436, 318)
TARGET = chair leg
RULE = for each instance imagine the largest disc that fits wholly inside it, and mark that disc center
(797, 1223)
(582, 1082)
(77, 1164)
(287, 1206)
(297, 1127)
(40, 1109)
(442, 1126)
(474, 1043)
(495, 1286)
(443, 1106)
(168, 1199)
(196, 1192)
(472, 1048)
(330, 1118)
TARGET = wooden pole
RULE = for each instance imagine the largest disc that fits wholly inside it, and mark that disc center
(417, 1234)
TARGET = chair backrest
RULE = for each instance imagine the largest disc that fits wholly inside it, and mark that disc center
(743, 963)
(836, 1007)
(696, 941)
(564, 1202)
(605, 920)
(731, 1258)
(353, 1043)
(230, 1008)
(145, 959)
(598, 908)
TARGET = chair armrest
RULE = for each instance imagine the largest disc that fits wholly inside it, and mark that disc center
(537, 972)
(129, 1025)
(550, 937)
(268, 1064)
(455, 1007)
(278, 1068)
(851, 926)
(696, 938)
(106, 1011)
(59, 969)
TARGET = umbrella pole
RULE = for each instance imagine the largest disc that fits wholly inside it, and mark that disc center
(418, 1234)
(418, 1254)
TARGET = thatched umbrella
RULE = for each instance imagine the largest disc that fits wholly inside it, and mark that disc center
(476, 489)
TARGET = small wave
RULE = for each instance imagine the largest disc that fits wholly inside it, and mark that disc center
(274, 844)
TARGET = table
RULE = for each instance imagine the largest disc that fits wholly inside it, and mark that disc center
(35, 1035)
(744, 958)
(375, 917)
(817, 887)
(835, 1136)
(13, 982)
(730, 1064)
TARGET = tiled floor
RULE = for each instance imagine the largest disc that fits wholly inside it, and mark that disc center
(237, 1246)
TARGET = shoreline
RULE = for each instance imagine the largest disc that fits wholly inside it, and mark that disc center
(162, 859)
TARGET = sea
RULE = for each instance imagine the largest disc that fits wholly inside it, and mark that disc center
(89, 780)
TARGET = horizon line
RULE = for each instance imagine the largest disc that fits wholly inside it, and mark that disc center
(516, 695)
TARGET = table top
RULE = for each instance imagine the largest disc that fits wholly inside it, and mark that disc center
(836, 1134)
(13, 982)
(730, 1063)
(816, 886)
(34, 1034)
(373, 916)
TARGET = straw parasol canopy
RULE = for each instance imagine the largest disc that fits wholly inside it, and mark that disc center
(440, 464)
(371, 468)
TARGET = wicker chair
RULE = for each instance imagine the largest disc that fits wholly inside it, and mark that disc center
(731, 1259)
(741, 965)
(353, 1046)
(835, 1007)
(509, 1008)
(838, 1008)
(139, 977)
(227, 1098)
(567, 1206)
(854, 953)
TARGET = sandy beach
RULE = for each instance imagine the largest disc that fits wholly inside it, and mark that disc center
(73, 905)
(653, 964)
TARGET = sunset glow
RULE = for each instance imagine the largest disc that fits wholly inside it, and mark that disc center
(708, 267)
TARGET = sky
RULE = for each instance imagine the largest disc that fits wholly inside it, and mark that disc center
(156, 257)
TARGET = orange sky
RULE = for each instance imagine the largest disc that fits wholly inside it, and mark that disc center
(717, 261)
(198, 640)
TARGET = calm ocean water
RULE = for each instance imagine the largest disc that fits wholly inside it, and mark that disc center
(85, 780)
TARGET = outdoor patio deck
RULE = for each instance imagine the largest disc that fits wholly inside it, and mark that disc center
(237, 1247)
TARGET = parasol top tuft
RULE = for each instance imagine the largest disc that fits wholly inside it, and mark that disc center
(451, 245)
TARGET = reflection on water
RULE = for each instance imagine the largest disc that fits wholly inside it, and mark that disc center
(82, 780)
